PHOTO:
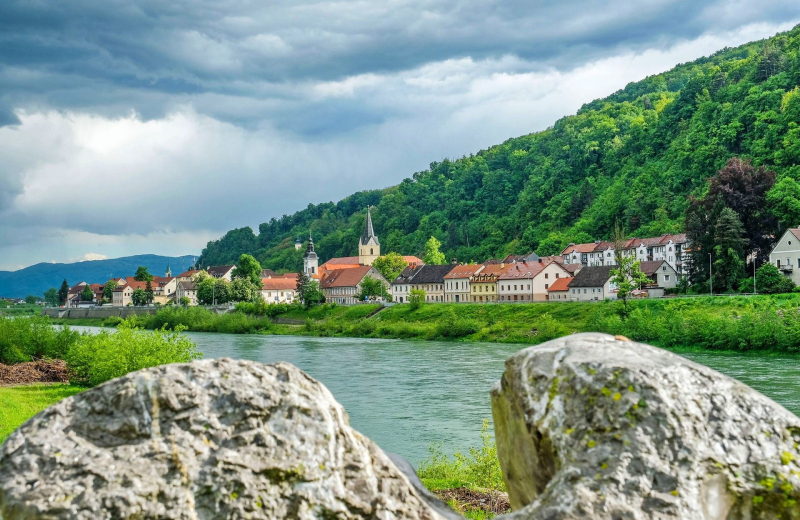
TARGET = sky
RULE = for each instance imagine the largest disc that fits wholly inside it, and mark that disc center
(152, 126)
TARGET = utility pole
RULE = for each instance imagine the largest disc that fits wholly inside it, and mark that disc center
(754, 275)
(710, 277)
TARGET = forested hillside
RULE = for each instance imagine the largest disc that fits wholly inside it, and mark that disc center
(633, 157)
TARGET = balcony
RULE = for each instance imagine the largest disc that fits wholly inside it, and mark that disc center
(786, 269)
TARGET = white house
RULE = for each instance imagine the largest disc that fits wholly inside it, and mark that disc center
(786, 255)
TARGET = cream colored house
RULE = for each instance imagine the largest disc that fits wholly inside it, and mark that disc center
(344, 285)
(786, 255)
(528, 281)
(187, 289)
(164, 289)
(279, 290)
(457, 282)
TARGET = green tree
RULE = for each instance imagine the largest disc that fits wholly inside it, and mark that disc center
(432, 254)
(31, 299)
(372, 288)
(148, 292)
(185, 301)
(627, 276)
(139, 298)
(143, 275)
(211, 290)
(729, 245)
(248, 268)
(108, 289)
(243, 290)
(87, 294)
(770, 281)
(416, 298)
(63, 292)
(784, 199)
(308, 292)
(51, 297)
(390, 265)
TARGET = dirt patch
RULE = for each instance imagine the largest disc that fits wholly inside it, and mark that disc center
(40, 371)
(493, 501)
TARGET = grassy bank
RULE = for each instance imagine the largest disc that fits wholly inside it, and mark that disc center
(20, 403)
(768, 323)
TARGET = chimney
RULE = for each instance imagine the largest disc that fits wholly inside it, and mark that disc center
(502, 265)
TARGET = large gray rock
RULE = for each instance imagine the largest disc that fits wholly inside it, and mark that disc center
(208, 439)
(589, 426)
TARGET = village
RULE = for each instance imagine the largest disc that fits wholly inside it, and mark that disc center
(582, 272)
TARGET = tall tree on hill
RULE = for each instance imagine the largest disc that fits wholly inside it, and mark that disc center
(51, 297)
(432, 254)
(63, 292)
(729, 244)
(143, 275)
(743, 188)
(784, 199)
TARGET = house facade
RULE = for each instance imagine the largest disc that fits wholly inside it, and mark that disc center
(483, 285)
(279, 290)
(786, 255)
(401, 286)
(186, 289)
(221, 271)
(670, 248)
(457, 282)
(593, 283)
(528, 281)
(430, 278)
(661, 273)
(342, 286)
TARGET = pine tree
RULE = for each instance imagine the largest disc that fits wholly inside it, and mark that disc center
(63, 292)
(729, 243)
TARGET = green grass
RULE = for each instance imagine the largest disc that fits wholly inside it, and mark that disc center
(20, 403)
(23, 309)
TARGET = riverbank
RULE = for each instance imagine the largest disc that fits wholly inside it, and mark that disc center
(20, 403)
(764, 323)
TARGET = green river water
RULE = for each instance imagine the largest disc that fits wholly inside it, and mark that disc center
(407, 395)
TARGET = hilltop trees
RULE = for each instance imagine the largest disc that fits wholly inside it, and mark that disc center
(634, 156)
(248, 268)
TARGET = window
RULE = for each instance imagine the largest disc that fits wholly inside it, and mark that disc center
(663, 267)
(584, 291)
(546, 276)
(666, 277)
(547, 285)
(558, 274)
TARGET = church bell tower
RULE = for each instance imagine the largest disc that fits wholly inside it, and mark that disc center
(368, 247)
(311, 260)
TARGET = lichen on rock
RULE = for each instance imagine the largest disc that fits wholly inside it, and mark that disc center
(591, 426)
(202, 440)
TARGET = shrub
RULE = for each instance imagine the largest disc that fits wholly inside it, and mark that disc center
(24, 339)
(101, 357)
(549, 328)
(480, 469)
(451, 326)
(416, 298)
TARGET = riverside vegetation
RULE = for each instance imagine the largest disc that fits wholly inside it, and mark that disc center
(764, 323)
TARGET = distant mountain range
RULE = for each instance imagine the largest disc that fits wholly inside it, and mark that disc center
(36, 279)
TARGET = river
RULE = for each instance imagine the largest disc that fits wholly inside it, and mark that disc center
(407, 395)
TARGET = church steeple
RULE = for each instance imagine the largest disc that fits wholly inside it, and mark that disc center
(168, 274)
(310, 260)
(369, 248)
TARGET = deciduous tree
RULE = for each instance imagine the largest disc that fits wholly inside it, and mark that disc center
(432, 254)
(143, 275)
(51, 297)
(390, 265)
(627, 276)
(248, 268)
(139, 298)
(108, 289)
(87, 294)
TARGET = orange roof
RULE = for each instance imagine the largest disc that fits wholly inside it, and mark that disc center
(343, 260)
(561, 284)
(492, 271)
(463, 271)
(279, 284)
(189, 273)
(292, 276)
(345, 277)
(413, 260)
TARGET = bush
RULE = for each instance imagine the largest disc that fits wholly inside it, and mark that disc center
(416, 298)
(451, 326)
(28, 338)
(770, 281)
(101, 357)
(480, 469)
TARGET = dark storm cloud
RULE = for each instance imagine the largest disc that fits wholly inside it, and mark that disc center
(93, 55)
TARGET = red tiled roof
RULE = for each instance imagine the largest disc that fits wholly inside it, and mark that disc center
(561, 284)
(463, 271)
(579, 248)
(189, 273)
(343, 260)
(279, 284)
(795, 232)
(344, 277)
(523, 270)
(413, 260)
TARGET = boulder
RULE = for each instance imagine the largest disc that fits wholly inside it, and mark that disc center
(593, 426)
(204, 440)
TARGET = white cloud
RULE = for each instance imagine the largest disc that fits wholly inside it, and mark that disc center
(92, 256)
